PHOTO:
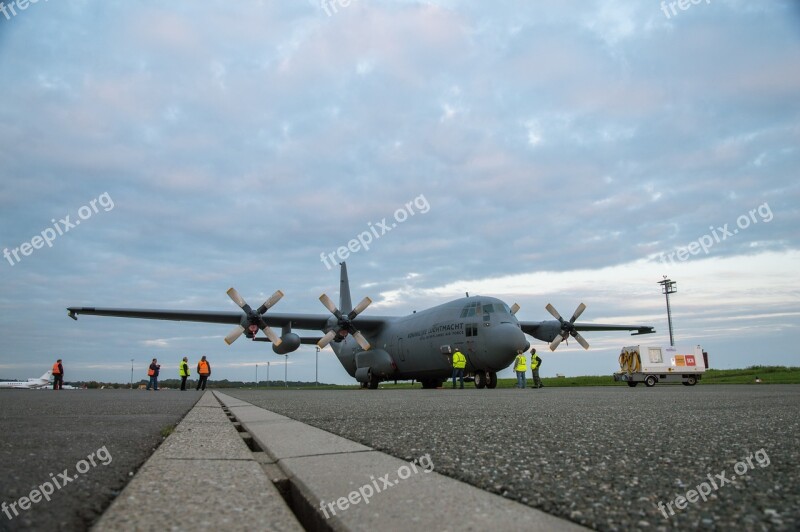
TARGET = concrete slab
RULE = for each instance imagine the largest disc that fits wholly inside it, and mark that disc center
(199, 495)
(207, 399)
(372, 490)
(231, 401)
(254, 413)
(204, 441)
(290, 439)
(203, 477)
(206, 414)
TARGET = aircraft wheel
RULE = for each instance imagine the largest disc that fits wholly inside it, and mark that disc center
(429, 384)
(491, 380)
(373, 382)
(632, 384)
(691, 381)
(480, 379)
(650, 381)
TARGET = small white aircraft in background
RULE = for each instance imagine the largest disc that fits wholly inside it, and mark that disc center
(41, 382)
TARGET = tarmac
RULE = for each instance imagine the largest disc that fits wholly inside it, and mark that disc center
(549, 459)
(252, 469)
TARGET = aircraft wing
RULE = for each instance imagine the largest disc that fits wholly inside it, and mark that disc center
(300, 321)
(152, 314)
(548, 330)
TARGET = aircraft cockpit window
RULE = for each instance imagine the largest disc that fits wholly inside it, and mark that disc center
(469, 310)
(488, 308)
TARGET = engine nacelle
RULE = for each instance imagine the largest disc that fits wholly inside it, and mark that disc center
(375, 361)
(289, 342)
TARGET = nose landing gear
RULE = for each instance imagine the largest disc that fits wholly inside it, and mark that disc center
(485, 379)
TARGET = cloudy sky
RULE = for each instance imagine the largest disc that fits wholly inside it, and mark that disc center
(534, 151)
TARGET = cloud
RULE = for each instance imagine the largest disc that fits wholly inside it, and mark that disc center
(563, 148)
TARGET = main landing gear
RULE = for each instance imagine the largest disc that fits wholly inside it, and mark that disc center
(485, 379)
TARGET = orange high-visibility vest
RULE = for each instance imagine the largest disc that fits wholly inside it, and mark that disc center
(202, 368)
(56, 371)
(151, 372)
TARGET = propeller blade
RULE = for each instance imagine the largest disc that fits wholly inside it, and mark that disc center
(514, 309)
(553, 312)
(233, 294)
(234, 334)
(556, 341)
(361, 340)
(359, 308)
(325, 340)
(580, 339)
(328, 303)
(268, 304)
(578, 312)
(274, 338)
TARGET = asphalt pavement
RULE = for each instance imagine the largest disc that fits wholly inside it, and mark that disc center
(661, 458)
(97, 438)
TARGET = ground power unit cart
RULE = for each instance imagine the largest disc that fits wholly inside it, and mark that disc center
(652, 364)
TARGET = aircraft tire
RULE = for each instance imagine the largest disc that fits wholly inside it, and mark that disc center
(373, 382)
(480, 379)
(491, 380)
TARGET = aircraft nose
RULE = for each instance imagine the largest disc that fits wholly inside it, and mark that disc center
(507, 338)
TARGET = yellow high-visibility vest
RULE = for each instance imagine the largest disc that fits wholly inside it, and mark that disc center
(534, 362)
(521, 363)
(459, 360)
(183, 369)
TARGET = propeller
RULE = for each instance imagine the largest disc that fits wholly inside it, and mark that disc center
(567, 327)
(344, 324)
(514, 308)
(254, 317)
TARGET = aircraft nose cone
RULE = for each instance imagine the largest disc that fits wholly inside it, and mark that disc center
(507, 338)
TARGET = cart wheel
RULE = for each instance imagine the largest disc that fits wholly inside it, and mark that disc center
(650, 381)
(632, 384)
(691, 381)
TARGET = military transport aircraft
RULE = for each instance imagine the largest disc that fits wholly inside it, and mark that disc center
(378, 348)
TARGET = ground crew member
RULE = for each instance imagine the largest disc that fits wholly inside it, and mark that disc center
(520, 366)
(183, 370)
(459, 363)
(536, 362)
(152, 372)
(58, 375)
(203, 371)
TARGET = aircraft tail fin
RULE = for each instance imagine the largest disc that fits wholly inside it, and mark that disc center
(46, 376)
(345, 303)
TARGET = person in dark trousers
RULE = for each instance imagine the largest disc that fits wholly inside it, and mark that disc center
(536, 362)
(203, 372)
(459, 363)
(183, 370)
(152, 372)
(58, 375)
